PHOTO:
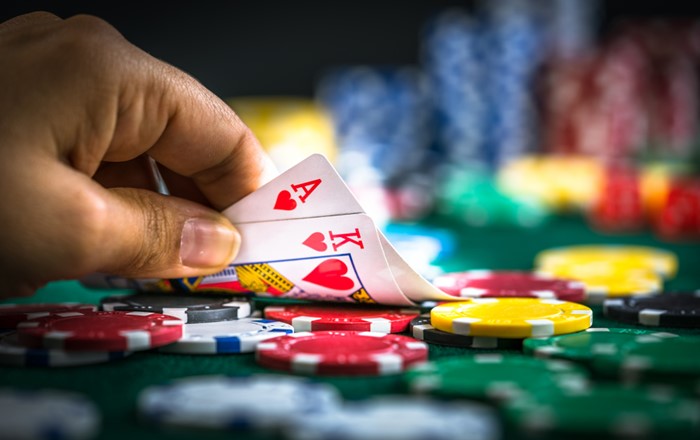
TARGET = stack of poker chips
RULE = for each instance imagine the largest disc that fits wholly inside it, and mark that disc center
(634, 97)
(382, 123)
(483, 68)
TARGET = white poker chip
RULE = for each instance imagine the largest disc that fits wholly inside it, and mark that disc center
(14, 354)
(223, 402)
(400, 418)
(47, 414)
(235, 336)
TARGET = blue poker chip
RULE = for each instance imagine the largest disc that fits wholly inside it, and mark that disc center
(265, 402)
(235, 336)
(400, 417)
(14, 354)
(47, 415)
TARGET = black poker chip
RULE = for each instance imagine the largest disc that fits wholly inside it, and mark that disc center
(672, 309)
(192, 309)
(420, 328)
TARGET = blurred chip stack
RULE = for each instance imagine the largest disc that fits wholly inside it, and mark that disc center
(382, 123)
(480, 67)
(454, 53)
(515, 39)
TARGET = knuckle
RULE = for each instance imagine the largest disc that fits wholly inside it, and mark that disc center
(89, 25)
(90, 42)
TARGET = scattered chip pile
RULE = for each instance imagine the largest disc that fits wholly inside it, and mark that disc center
(58, 335)
(530, 361)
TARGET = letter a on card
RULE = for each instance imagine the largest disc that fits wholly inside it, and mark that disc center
(311, 188)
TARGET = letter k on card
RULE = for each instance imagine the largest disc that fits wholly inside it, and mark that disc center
(312, 188)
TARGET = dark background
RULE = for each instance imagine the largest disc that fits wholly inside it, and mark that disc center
(280, 48)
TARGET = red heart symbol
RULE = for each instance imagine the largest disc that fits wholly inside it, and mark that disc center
(330, 274)
(316, 241)
(285, 201)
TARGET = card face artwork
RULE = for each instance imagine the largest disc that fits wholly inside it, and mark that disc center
(337, 258)
(312, 188)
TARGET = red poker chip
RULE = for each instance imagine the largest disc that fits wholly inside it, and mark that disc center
(13, 314)
(316, 317)
(501, 284)
(100, 331)
(341, 353)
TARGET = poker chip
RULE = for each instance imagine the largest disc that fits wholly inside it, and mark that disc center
(605, 411)
(608, 280)
(660, 261)
(420, 328)
(671, 309)
(189, 308)
(14, 354)
(237, 336)
(13, 314)
(222, 402)
(341, 353)
(312, 317)
(100, 331)
(399, 418)
(511, 317)
(494, 376)
(47, 415)
(486, 283)
(648, 359)
(584, 346)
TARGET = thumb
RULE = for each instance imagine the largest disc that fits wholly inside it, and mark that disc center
(156, 236)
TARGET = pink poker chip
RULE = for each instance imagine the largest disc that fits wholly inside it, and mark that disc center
(13, 314)
(502, 284)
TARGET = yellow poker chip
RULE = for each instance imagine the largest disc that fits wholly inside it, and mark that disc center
(603, 280)
(511, 317)
(660, 261)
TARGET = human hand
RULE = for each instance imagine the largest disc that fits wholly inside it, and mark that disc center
(81, 107)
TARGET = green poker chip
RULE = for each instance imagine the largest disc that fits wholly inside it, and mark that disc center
(650, 359)
(586, 345)
(494, 376)
(605, 411)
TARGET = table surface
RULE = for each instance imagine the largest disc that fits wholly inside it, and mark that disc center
(114, 386)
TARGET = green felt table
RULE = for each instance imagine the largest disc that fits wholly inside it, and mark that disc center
(115, 386)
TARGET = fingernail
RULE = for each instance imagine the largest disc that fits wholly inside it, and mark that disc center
(206, 243)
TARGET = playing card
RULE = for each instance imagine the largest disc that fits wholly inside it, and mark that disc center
(315, 177)
(334, 258)
(414, 286)
(312, 188)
